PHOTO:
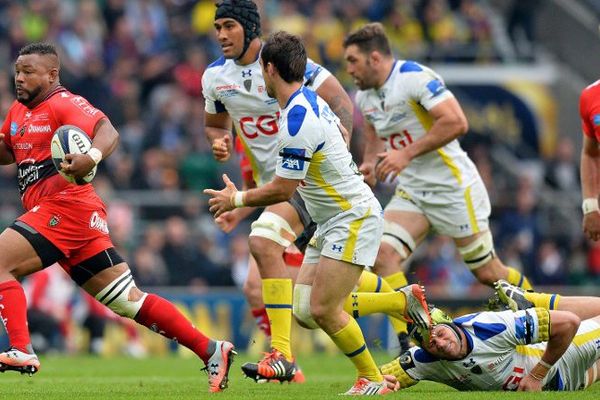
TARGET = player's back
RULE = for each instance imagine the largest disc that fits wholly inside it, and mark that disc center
(310, 133)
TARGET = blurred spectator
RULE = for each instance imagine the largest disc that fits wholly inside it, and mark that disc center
(521, 27)
(562, 170)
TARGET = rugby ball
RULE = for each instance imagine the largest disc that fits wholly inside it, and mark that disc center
(69, 139)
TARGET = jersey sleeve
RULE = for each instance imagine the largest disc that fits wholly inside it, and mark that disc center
(76, 110)
(296, 144)
(522, 327)
(424, 86)
(419, 364)
(8, 128)
(315, 75)
(212, 104)
(589, 112)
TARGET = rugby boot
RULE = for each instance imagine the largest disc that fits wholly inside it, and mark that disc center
(365, 387)
(512, 296)
(417, 310)
(17, 360)
(273, 366)
(218, 366)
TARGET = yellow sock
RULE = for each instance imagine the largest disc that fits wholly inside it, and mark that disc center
(396, 281)
(544, 300)
(277, 296)
(351, 342)
(372, 283)
(361, 304)
(518, 279)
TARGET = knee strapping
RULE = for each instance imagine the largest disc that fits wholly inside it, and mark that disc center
(116, 296)
(479, 252)
(399, 238)
(301, 306)
(273, 227)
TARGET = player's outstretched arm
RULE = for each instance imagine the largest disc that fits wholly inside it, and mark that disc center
(562, 330)
(217, 128)
(276, 191)
(590, 187)
(333, 93)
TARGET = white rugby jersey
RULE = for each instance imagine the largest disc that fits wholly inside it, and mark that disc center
(311, 148)
(399, 113)
(503, 348)
(240, 90)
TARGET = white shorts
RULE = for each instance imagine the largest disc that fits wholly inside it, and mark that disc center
(583, 352)
(352, 236)
(457, 214)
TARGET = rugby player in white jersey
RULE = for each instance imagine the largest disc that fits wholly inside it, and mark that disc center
(529, 347)
(412, 123)
(235, 95)
(313, 159)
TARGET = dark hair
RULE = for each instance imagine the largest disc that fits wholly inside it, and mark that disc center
(38, 48)
(370, 37)
(246, 13)
(287, 53)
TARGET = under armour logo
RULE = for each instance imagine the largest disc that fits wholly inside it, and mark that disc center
(246, 74)
(336, 247)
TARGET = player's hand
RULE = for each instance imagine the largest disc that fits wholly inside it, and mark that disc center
(368, 171)
(222, 200)
(228, 220)
(529, 384)
(591, 225)
(77, 165)
(221, 148)
(390, 164)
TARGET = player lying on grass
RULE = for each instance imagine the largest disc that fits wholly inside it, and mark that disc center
(543, 342)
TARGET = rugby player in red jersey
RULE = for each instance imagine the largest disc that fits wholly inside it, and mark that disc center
(589, 111)
(66, 223)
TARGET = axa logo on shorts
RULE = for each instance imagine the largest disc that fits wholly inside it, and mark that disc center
(98, 223)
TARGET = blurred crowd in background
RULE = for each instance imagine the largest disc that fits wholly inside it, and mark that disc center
(141, 63)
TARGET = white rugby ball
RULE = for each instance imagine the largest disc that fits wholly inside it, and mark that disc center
(69, 139)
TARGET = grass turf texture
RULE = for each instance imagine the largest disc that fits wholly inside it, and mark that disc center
(85, 377)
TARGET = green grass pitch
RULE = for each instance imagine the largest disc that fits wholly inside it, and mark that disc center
(179, 378)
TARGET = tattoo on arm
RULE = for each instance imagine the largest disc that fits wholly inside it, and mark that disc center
(343, 112)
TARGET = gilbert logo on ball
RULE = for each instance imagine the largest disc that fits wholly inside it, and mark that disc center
(69, 139)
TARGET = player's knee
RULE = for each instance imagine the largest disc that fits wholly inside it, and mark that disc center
(252, 291)
(264, 249)
(301, 307)
(388, 260)
(122, 296)
(397, 244)
(270, 231)
(479, 256)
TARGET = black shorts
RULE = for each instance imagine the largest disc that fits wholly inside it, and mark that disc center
(309, 225)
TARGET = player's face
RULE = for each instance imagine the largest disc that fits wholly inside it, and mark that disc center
(33, 76)
(359, 68)
(267, 79)
(230, 35)
(444, 343)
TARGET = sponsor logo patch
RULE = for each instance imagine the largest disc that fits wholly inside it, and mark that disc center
(55, 220)
(293, 159)
(98, 223)
(86, 107)
(596, 119)
(14, 127)
(436, 87)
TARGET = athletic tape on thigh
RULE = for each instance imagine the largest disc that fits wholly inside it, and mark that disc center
(301, 307)
(399, 238)
(479, 252)
(116, 296)
(271, 226)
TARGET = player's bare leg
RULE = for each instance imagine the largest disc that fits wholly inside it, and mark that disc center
(271, 234)
(161, 316)
(479, 255)
(397, 245)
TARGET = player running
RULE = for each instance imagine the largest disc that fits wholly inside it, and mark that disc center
(412, 123)
(66, 223)
(235, 94)
(544, 342)
(313, 158)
